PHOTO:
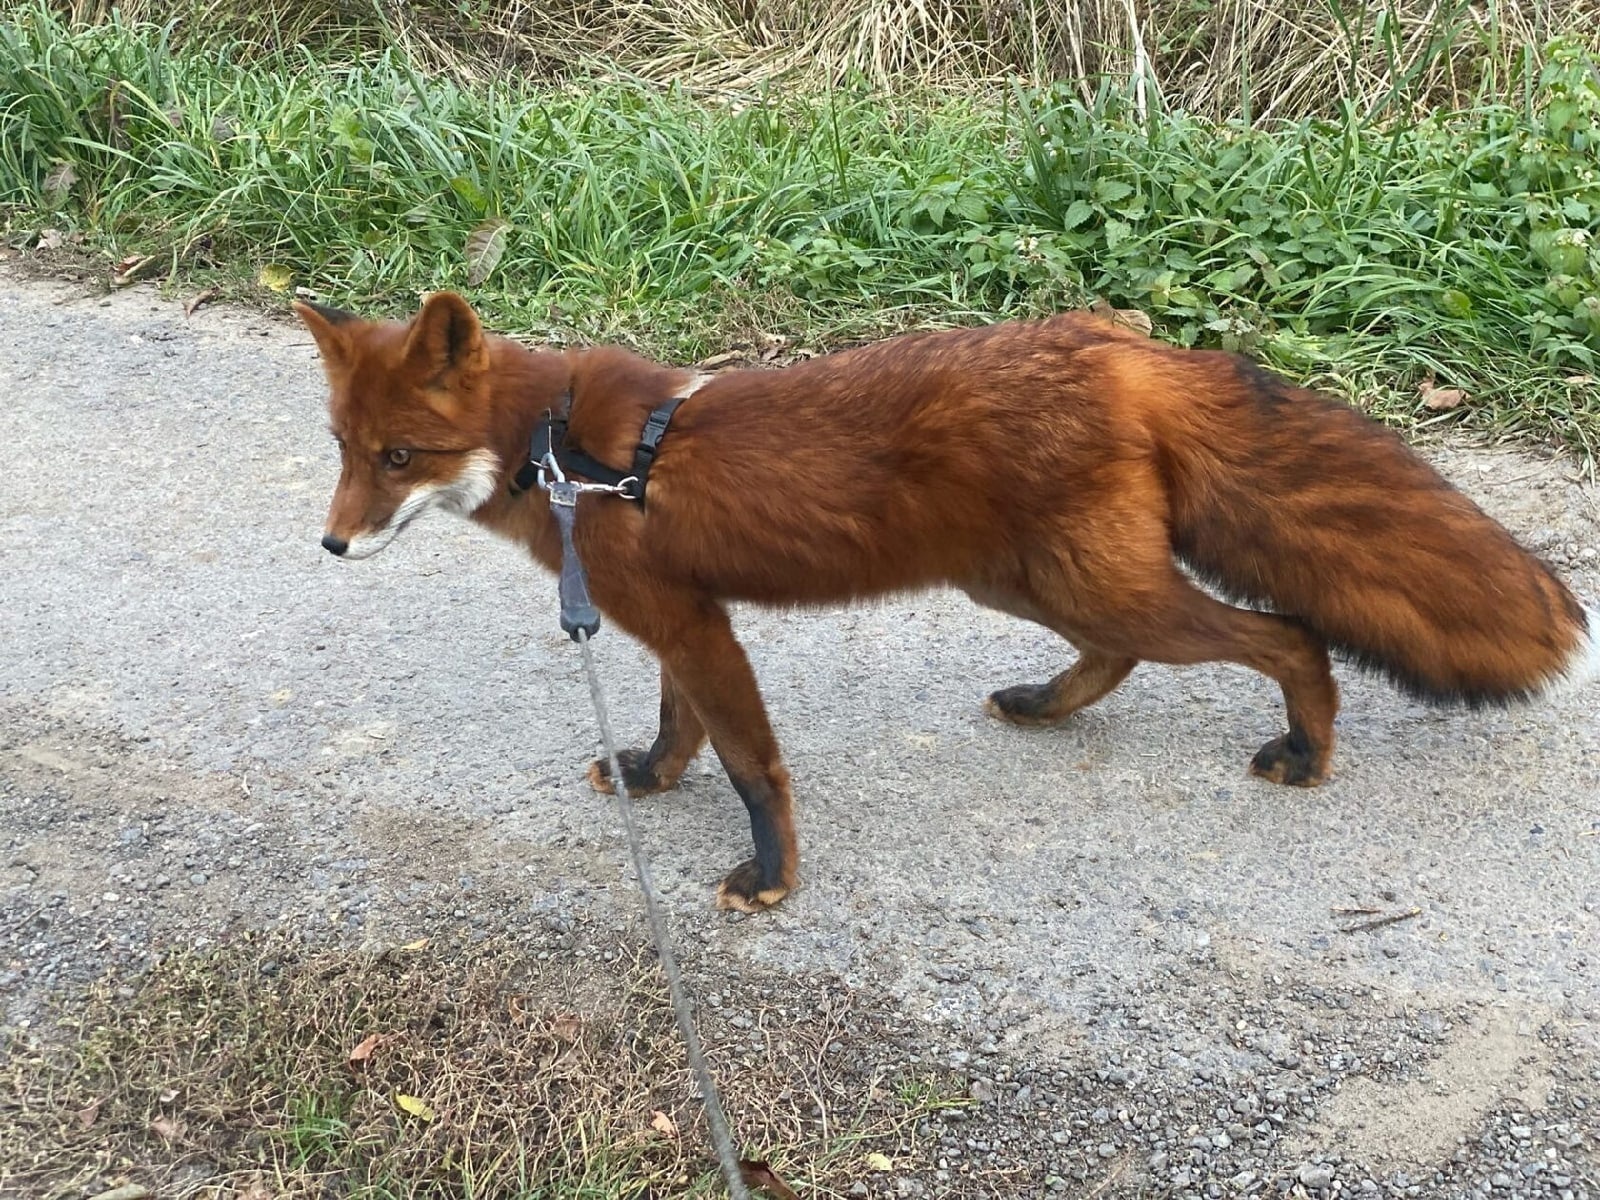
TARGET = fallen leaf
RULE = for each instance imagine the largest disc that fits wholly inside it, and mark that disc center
(169, 1128)
(199, 298)
(417, 1108)
(1139, 322)
(485, 245)
(879, 1162)
(1128, 318)
(419, 944)
(1438, 398)
(132, 269)
(50, 239)
(276, 277)
(127, 1191)
(89, 1113)
(364, 1051)
(662, 1124)
(761, 1175)
(720, 360)
(58, 182)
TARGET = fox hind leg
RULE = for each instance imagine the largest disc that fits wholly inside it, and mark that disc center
(658, 769)
(1180, 625)
(1095, 675)
(1109, 584)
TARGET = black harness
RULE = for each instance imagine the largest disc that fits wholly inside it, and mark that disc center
(550, 437)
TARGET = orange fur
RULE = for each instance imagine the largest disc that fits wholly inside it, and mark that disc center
(1058, 470)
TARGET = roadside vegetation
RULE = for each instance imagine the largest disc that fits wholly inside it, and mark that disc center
(1430, 263)
(265, 1069)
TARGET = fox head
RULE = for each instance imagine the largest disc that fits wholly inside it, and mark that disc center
(409, 406)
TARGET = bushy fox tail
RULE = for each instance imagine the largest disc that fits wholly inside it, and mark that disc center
(1297, 503)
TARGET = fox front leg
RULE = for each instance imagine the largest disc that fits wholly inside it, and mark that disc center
(709, 691)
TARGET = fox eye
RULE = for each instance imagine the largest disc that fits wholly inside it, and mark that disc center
(396, 458)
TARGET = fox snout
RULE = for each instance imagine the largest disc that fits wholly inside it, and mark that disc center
(370, 510)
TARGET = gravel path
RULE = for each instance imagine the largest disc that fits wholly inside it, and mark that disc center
(1132, 949)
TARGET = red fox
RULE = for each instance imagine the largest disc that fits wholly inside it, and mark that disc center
(1062, 470)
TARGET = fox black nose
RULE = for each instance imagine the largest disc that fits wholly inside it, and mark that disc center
(334, 545)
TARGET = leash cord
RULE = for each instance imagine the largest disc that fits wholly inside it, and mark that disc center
(580, 620)
(715, 1116)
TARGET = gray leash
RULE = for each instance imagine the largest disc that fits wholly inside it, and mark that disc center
(581, 621)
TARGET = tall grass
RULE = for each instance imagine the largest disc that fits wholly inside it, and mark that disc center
(1215, 58)
(1372, 255)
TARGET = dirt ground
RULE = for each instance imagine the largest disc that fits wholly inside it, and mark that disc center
(1136, 960)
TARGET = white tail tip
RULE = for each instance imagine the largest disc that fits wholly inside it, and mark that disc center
(1583, 667)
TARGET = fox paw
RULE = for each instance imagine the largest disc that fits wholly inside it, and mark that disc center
(1290, 759)
(1025, 704)
(742, 889)
(637, 773)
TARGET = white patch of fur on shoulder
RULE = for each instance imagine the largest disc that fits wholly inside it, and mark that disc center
(1583, 666)
(696, 382)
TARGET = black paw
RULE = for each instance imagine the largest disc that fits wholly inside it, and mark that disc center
(1290, 759)
(637, 773)
(743, 889)
(1025, 704)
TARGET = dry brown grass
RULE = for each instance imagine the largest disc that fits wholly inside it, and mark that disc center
(1272, 58)
(230, 1074)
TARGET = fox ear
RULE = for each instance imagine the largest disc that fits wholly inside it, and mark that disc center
(327, 326)
(445, 337)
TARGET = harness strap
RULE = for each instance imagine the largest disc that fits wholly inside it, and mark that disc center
(655, 428)
(550, 435)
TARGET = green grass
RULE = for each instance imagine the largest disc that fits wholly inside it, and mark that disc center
(1462, 248)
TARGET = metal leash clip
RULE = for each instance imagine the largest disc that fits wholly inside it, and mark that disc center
(566, 491)
(578, 613)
